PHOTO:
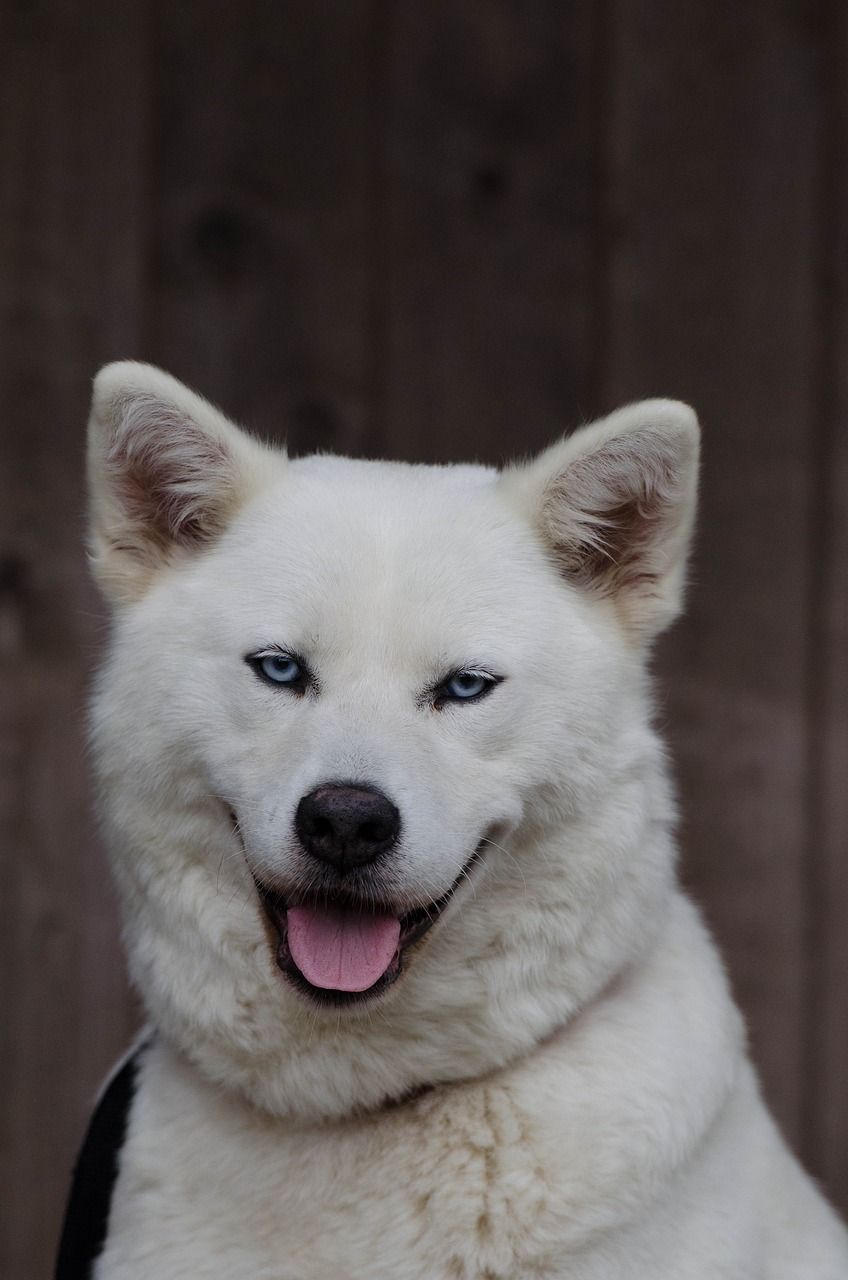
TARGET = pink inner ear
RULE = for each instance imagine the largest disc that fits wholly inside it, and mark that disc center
(609, 512)
(172, 479)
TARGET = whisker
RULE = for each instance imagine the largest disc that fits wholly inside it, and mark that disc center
(508, 854)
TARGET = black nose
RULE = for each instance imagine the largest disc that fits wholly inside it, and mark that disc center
(346, 825)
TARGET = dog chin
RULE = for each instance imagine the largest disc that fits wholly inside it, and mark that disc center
(372, 944)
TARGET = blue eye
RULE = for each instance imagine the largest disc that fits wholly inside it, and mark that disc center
(279, 669)
(464, 686)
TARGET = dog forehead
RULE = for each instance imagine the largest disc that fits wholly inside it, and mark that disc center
(327, 469)
(344, 521)
(382, 501)
(373, 547)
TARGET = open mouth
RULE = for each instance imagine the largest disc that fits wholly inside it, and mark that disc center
(338, 949)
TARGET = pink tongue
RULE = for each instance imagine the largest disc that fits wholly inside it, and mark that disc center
(340, 949)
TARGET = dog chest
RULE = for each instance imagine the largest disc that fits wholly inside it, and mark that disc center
(451, 1187)
(479, 1182)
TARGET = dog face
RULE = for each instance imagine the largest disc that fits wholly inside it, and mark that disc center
(376, 767)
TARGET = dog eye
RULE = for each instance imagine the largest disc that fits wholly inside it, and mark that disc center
(279, 669)
(464, 686)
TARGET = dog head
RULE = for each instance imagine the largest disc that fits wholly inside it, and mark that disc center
(373, 740)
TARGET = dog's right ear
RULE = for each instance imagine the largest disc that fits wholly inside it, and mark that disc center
(166, 470)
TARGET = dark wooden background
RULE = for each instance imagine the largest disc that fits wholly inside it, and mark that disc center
(436, 229)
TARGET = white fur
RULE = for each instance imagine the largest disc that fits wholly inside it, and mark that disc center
(589, 1109)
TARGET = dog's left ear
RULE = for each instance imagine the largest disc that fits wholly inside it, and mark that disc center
(615, 505)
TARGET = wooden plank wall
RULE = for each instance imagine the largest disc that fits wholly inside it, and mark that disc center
(826, 1129)
(73, 184)
(439, 230)
(713, 298)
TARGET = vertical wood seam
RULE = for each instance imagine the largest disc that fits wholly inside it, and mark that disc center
(602, 213)
(151, 176)
(375, 440)
(820, 552)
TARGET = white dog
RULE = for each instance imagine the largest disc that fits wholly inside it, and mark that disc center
(394, 841)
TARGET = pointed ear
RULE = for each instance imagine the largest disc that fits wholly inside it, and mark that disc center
(166, 470)
(615, 504)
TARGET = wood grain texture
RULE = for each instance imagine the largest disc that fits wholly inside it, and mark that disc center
(72, 111)
(262, 218)
(826, 1136)
(490, 194)
(438, 231)
(713, 200)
